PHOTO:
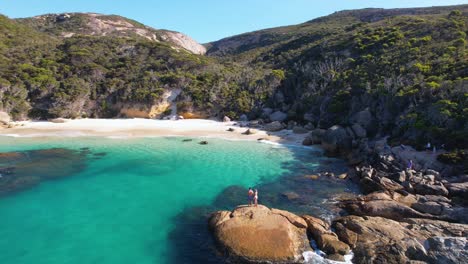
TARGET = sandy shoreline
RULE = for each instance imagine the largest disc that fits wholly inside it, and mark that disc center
(121, 128)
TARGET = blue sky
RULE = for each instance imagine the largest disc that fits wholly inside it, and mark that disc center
(207, 20)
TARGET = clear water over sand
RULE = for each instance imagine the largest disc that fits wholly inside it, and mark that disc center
(145, 200)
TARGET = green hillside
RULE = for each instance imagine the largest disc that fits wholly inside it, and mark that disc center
(408, 68)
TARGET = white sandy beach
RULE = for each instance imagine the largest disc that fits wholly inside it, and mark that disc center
(146, 128)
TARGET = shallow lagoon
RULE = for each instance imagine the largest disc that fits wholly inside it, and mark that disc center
(146, 200)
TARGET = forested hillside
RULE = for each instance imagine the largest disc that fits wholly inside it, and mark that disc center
(406, 70)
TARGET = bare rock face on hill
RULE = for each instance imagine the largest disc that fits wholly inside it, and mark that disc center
(91, 24)
(260, 235)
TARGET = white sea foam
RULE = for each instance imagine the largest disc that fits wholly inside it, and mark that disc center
(318, 257)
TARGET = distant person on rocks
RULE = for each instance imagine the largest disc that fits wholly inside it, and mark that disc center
(428, 146)
(256, 198)
(434, 150)
(410, 164)
(250, 196)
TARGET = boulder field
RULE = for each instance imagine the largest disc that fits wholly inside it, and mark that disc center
(405, 215)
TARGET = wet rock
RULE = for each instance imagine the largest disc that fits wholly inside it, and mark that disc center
(316, 136)
(326, 240)
(307, 141)
(274, 126)
(203, 142)
(231, 129)
(278, 116)
(259, 235)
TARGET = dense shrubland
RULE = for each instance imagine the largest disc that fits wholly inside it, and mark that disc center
(410, 71)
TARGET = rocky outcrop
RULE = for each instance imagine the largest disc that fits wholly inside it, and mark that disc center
(92, 24)
(260, 235)
(381, 240)
(336, 141)
(278, 116)
(274, 126)
(326, 240)
(4, 118)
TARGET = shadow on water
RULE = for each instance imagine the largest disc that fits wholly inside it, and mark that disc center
(191, 242)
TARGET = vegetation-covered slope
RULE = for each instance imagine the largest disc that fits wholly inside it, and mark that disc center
(45, 75)
(408, 67)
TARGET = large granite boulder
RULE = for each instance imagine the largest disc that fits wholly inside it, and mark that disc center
(363, 118)
(274, 126)
(336, 141)
(4, 118)
(278, 116)
(260, 235)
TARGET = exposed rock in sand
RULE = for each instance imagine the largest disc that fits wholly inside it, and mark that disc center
(260, 235)
(274, 126)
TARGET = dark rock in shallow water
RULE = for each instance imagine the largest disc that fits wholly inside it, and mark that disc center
(100, 154)
(187, 140)
(29, 168)
(203, 143)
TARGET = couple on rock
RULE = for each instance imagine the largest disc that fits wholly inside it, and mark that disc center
(253, 197)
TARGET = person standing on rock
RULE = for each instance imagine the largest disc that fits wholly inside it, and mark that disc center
(250, 195)
(256, 198)
(410, 164)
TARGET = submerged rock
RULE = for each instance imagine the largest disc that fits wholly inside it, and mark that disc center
(29, 168)
(260, 235)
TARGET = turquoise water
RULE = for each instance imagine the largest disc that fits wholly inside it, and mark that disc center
(127, 205)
